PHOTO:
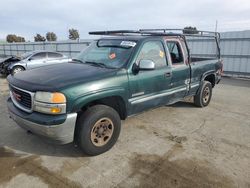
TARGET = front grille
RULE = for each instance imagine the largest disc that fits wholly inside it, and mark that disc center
(21, 97)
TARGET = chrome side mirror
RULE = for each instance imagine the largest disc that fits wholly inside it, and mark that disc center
(146, 64)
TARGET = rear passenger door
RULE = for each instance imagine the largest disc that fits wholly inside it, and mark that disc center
(54, 55)
(37, 60)
(180, 68)
(149, 88)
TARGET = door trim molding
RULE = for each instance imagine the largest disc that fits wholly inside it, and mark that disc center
(148, 97)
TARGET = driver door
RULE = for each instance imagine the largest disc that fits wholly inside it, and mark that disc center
(149, 88)
(37, 60)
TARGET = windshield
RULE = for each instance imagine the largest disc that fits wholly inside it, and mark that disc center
(26, 54)
(111, 53)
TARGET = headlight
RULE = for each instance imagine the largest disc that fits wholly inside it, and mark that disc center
(50, 97)
(50, 103)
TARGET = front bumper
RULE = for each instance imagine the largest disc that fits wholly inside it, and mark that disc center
(56, 129)
(2, 70)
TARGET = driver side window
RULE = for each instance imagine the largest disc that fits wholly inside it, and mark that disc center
(154, 51)
(41, 55)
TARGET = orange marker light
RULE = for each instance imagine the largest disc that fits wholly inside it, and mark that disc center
(55, 110)
(58, 98)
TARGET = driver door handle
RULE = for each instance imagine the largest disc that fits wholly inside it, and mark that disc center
(168, 74)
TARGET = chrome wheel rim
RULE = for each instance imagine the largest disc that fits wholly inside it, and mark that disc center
(16, 70)
(102, 132)
(206, 94)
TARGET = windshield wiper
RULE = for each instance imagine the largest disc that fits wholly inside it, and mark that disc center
(99, 64)
(78, 60)
(94, 63)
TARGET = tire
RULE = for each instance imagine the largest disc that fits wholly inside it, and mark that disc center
(98, 129)
(204, 95)
(17, 69)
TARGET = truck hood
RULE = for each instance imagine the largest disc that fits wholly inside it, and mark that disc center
(58, 76)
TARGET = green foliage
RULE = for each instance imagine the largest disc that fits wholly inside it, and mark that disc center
(39, 38)
(190, 30)
(51, 36)
(14, 38)
(73, 34)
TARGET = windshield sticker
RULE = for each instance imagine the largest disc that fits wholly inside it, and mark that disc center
(112, 56)
(128, 43)
(161, 54)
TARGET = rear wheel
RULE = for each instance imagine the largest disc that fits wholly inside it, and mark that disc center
(98, 129)
(203, 97)
(16, 69)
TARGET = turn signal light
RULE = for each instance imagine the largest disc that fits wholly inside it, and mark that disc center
(55, 110)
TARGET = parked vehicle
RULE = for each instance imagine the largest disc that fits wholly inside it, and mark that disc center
(30, 60)
(114, 78)
(5, 62)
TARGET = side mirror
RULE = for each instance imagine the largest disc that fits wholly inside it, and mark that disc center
(146, 65)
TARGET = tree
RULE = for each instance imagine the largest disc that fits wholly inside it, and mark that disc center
(11, 38)
(73, 34)
(14, 38)
(39, 38)
(190, 30)
(20, 39)
(50, 36)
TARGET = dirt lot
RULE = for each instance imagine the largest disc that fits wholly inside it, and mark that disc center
(174, 146)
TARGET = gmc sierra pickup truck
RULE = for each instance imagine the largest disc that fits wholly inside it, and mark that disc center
(119, 75)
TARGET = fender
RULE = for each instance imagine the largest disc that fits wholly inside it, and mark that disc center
(19, 63)
(83, 100)
(204, 75)
(212, 72)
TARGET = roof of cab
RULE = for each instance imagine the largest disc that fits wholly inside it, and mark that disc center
(133, 38)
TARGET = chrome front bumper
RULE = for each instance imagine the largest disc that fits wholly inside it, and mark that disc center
(60, 134)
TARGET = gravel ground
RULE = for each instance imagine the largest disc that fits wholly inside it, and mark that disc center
(173, 146)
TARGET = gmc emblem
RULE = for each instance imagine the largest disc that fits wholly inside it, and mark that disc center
(17, 96)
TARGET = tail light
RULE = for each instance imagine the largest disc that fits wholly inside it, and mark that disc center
(220, 70)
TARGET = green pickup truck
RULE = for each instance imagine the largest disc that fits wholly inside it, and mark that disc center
(119, 75)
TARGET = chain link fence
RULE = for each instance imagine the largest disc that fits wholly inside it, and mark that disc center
(235, 50)
(69, 48)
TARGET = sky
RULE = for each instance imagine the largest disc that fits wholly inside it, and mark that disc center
(28, 17)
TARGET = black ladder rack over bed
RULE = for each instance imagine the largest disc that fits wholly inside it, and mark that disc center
(163, 32)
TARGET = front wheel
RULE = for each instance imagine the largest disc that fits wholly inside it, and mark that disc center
(98, 129)
(16, 69)
(203, 97)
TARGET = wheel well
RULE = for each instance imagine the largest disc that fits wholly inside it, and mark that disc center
(115, 102)
(210, 78)
(18, 66)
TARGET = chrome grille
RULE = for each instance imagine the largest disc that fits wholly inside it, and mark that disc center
(21, 98)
